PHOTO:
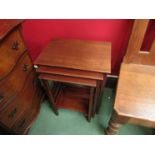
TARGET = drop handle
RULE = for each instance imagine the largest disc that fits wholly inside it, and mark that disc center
(25, 67)
(15, 46)
(1, 98)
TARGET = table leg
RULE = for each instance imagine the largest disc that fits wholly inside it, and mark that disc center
(96, 97)
(115, 124)
(50, 95)
(102, 85)
(92, 89)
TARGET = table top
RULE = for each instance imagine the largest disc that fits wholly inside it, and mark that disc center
(70, 72)
(135, 96)
(77, 54)
(67, 79)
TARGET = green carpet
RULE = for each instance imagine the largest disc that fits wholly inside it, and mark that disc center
(73, 123)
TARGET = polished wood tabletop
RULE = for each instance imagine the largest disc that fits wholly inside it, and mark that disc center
(70, 72)
(136, 92)
(76, 54)
(67, 79)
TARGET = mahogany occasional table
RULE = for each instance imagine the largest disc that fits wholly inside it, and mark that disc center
(78, 69)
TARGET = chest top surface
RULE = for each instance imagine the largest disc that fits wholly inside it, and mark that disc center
(6, 25)
(77, 54)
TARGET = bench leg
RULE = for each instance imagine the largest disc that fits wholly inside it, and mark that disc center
(115, 124)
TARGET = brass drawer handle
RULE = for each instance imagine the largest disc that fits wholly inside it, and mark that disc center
(1, 98)
(15, 45)
(13, 113)
(35, 67)
(25, 67)
(22, 123)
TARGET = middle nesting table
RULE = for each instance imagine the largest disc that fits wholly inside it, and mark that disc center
(70, 62)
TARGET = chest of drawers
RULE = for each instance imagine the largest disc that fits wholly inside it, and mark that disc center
(20, 92)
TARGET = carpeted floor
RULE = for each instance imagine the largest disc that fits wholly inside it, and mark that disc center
(74, 123)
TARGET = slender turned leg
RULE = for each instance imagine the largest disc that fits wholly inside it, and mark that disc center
(115, 124)
(56, 90)
(96, 97)
(50, 95)
(90, 103)
(102, 85)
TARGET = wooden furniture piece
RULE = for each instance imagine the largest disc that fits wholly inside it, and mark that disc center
(20, 91)
(85, 63)
(135, 97)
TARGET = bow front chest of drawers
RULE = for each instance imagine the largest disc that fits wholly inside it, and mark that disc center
(20, 92)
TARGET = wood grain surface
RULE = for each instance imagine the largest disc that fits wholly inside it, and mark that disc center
(77, 54)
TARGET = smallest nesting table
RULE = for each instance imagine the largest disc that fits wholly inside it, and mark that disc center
(78, 69)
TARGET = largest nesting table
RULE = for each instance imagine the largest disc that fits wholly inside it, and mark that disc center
(68, 62)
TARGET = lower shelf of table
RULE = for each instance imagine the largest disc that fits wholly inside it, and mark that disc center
(71, 97)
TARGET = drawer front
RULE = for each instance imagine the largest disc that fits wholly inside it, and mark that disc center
(11, 49)
(24, 123)
(14, 82)
(22, 102)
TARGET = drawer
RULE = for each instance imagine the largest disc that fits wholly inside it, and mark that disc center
(14, 82)
(11, 49)
(24, 123)
(22, 102)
